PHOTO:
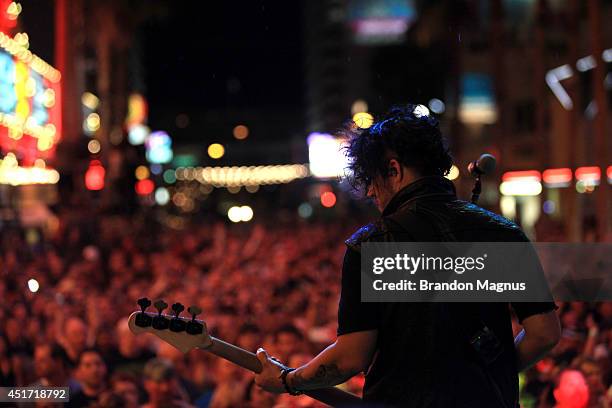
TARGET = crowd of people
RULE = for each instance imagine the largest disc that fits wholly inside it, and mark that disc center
(67, 292)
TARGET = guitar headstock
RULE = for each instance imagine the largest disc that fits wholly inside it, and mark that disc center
(183, 333)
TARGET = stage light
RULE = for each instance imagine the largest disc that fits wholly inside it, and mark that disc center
(363, 120)
(142, 172)
(328, 199)
(33, 285)
(241, 132)
(216, 151)
(93, 146)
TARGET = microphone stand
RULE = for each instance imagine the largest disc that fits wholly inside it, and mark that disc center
(477, 187)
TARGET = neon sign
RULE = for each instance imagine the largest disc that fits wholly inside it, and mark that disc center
(30, 109)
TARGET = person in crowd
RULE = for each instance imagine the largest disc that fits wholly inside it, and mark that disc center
(163, 389)
(126, 386)
(52, 368)
(91, 374)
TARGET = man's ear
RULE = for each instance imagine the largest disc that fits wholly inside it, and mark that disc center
(394, 168)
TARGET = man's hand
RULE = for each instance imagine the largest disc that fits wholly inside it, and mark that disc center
(269, 378)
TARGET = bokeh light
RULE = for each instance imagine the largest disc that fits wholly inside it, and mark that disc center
(241, 132)
(142, 172)
(363, 120)
(93, 146)
(162, 196)
(328, 199)
(33, 285)
(216, 151)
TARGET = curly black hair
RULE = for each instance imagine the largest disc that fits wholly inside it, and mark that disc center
(408, 133)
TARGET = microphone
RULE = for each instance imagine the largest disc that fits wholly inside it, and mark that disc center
(484, 165)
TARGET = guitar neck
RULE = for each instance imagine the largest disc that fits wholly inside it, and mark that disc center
(331, 396)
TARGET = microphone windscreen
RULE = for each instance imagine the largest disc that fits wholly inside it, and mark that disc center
(486, 163)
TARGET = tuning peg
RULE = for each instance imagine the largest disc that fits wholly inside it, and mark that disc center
(143, 319)
(177, 324)
(160, 322)
(160, 305)
(193, 311)
(177, 308)
(193, 326)
(144, 303)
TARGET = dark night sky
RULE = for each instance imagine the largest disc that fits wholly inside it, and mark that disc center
(224, 54)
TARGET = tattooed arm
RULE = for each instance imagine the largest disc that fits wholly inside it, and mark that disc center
(349, 355)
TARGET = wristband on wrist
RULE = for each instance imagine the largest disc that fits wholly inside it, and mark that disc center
(283, 377)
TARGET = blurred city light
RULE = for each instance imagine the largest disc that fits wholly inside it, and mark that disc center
(520, 188)
(93, 146)
(156, 168)
(137, 111)
(216, 151)
(252, 188)
(13, 174)
(305, 210)
(92, 122)
(33, 285)
(590, 176)
(326, 155)
(548, 207)
(94, 176)
(243, 175)
(247, 213)
(240, 214)
(144, 187)
(159, 147)
(13, 10)
(234, 214)
(241, 132)
(437, 106)
(162, 196)
(90, 100)
(521, 183)
(138, 134)
(359, 106)
(142, 172)
(376, 22)
(554, 78)
(554, 178)
(169, 176)
(363, 120)
(477, 104)
(453, 173)
(328, 199)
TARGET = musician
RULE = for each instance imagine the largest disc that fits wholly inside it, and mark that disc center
(417, 354)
